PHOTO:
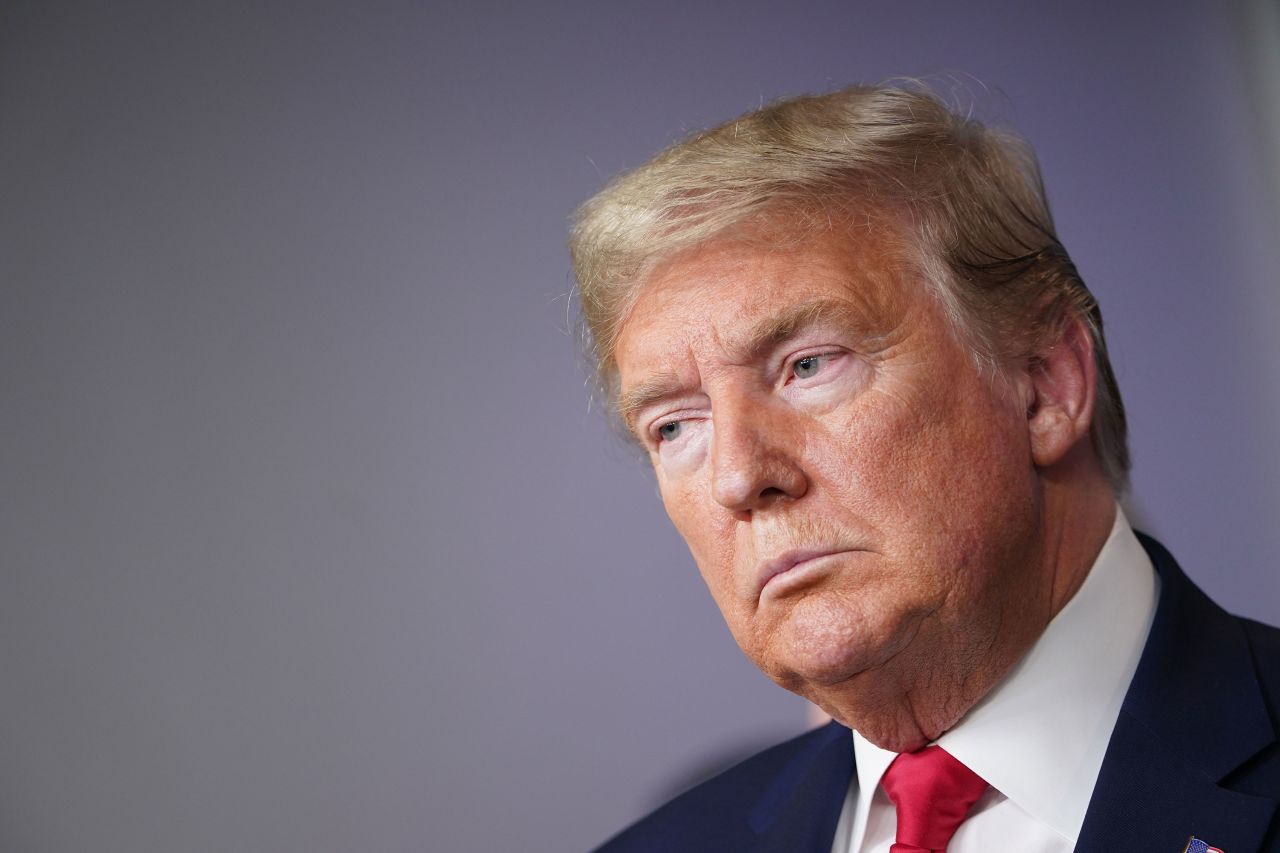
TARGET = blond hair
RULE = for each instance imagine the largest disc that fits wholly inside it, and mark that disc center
(970, 196)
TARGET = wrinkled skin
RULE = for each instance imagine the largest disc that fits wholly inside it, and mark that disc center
(881, 525)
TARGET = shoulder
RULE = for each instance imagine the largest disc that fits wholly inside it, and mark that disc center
(1261, 775)
(1192, 615)
(1210, 681)
(725, 812)
(1265, 642)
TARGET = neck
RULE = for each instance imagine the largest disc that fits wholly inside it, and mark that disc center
(1079, 512)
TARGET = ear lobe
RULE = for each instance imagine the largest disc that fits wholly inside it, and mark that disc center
(1062, 382)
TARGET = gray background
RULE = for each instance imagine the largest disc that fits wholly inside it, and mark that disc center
(308, 541)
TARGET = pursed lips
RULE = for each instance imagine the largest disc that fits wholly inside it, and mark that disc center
(788, 561)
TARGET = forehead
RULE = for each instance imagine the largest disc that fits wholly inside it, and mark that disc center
(711, 297)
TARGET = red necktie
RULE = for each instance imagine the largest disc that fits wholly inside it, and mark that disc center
(933, 793)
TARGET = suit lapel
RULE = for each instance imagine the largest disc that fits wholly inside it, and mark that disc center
(799, 811)
(1193, 714)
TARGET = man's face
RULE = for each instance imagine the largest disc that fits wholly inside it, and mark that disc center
(859, 500)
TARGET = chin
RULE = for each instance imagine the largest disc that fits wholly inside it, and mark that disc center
(907, 738)
(886, 721)
(822, 644)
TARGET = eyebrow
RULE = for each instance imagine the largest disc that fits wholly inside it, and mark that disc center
(651, 390)
(760, 338)
(773, 331)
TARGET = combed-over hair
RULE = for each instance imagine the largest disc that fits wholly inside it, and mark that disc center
(971, 199)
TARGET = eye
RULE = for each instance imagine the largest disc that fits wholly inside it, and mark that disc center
(803, 368)
(670, 430)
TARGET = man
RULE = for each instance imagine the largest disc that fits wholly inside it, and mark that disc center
(877, 399)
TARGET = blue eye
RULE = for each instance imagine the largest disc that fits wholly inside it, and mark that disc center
(670, 430)
(803, 368)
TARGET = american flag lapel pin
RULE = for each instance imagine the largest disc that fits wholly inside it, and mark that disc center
(1195, 845)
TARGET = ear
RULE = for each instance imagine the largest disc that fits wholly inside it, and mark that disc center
(1062, 378)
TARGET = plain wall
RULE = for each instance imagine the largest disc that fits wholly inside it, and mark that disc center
(308, 540)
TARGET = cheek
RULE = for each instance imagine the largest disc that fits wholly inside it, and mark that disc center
(977, 493)
(707, 533)
(864, 456)
(710, 537)
(905, 464)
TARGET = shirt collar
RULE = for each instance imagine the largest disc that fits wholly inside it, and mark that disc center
(1039, 737)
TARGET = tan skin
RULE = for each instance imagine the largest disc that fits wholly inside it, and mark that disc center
(886, 530)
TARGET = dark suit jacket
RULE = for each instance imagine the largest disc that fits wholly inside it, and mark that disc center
(1194, 752)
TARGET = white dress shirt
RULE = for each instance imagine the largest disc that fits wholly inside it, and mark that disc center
(1038, 739)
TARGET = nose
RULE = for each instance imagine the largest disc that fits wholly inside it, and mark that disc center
(754, 458)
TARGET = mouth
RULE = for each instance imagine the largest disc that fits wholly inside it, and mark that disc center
(792, 568)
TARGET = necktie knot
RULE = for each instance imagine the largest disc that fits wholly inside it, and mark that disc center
(932, 792)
